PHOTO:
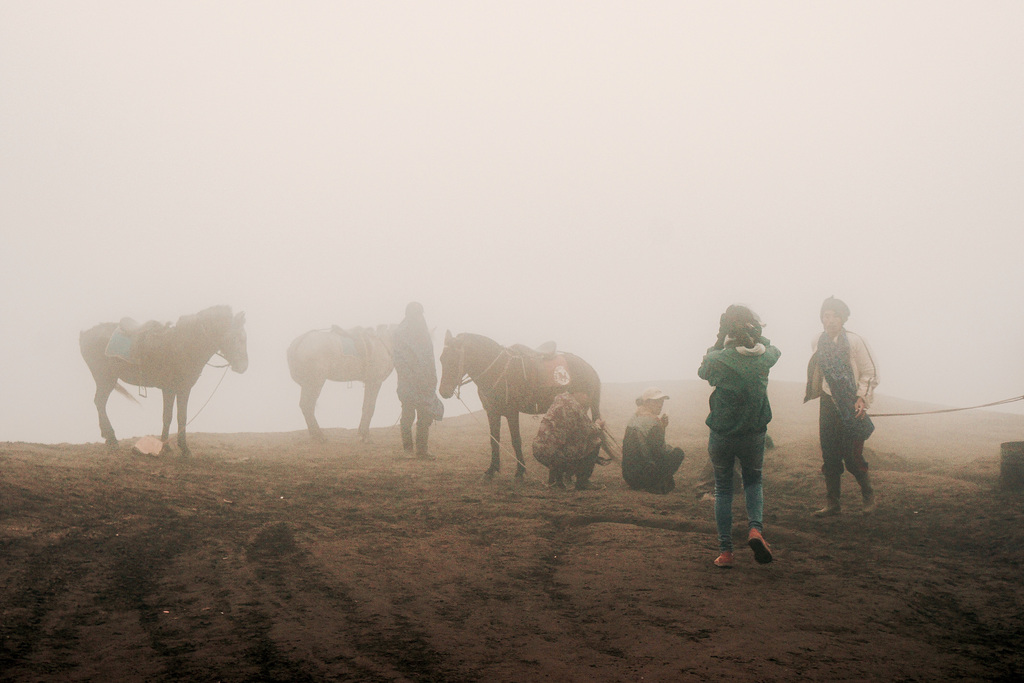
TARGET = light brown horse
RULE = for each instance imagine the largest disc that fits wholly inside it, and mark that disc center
(320, 355)
(169, 358)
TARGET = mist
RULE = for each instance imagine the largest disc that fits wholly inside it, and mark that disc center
(606, 175)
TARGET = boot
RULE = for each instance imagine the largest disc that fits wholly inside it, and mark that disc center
(831, 509)
(422, 432)
(832, 491)
(867, 492)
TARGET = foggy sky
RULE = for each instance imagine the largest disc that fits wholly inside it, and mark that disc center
(607, 175)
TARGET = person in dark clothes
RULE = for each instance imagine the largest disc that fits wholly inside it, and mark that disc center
(417, 379)
(648, 463)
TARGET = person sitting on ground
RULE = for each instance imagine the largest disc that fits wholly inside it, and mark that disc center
(568, 441)
(648, 463)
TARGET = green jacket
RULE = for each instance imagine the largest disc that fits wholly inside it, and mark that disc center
(739, 403)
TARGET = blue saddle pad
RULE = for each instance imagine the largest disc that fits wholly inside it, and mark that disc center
(120, 345)
(348, 346)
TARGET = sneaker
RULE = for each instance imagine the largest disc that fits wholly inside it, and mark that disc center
(724, 560)
(762, 551)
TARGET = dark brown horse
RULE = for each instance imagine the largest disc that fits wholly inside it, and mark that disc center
(511, 381)
(169, 358)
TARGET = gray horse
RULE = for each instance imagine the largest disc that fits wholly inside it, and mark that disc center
(165, 357)
(355, 355)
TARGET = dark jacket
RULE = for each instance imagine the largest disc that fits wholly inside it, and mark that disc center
(646, 458)
(414, 363)
(739, 403)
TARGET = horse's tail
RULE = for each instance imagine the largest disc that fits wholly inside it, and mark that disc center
(119, 388)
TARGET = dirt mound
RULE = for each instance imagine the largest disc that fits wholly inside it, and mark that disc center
(269, 557)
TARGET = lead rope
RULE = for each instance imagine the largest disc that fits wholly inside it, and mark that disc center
(501, 446)
(466, 379)
(949, 410)
(222, 376)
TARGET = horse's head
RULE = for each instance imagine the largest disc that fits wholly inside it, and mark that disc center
(233, 345)
(453, 364)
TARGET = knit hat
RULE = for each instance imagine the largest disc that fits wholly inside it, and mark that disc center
(837, 306)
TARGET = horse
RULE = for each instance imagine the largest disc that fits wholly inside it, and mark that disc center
(320, 355)
(165, 357)
(511, 380)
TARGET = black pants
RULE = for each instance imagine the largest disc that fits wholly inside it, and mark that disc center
(839, 450)
(657, 477)
(410, 414)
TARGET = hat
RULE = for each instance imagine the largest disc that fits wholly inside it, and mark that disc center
(652, 394)
(837, 306)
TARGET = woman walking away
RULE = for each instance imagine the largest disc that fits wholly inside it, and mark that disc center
(737, 367)
(842, 373)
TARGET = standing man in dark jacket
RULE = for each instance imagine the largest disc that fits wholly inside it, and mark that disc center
(417, 378)
(737, 367)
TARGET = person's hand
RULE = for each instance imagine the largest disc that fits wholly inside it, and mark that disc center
(860, 408)
(599, 422)
(664, 420)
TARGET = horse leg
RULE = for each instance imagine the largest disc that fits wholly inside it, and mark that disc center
(517, 444)
(494, 421)
(307, 403)
(168, 412)
(100, 399)
(370, 391)
(182, 421)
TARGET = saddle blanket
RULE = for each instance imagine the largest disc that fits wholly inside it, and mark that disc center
(555, 372)
(349, 345)
(120, 345)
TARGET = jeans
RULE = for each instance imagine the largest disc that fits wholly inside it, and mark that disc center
(748, 449)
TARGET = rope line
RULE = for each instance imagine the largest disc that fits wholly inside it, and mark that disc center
(222, 376)
(949, 410)
(501, 446)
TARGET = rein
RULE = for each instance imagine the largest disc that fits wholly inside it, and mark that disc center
(501, 446)
(211, 365)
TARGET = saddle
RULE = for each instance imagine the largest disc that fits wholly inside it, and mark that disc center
(129, 335)
(544, 365)
(356, 341)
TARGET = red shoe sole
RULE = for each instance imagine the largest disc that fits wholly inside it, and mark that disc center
(762, 553)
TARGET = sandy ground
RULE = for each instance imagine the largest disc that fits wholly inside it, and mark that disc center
(266, 557)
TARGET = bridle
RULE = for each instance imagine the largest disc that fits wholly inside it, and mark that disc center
(465, 379)
(463, 376)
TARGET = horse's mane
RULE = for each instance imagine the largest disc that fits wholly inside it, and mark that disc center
(470, 337)
(201, 323)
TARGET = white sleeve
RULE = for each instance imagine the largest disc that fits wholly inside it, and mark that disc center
(864, 368)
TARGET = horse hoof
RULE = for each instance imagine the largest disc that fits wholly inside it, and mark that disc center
(489, 475)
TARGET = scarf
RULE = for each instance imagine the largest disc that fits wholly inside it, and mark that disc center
(834, 359)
